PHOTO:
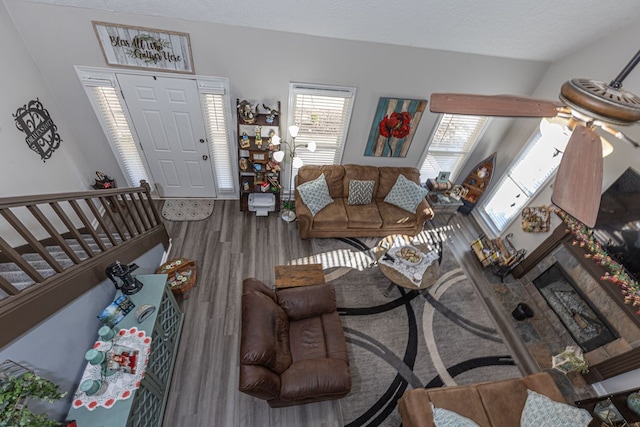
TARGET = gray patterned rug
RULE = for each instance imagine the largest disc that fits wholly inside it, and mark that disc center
(441, 337)
(187, 209)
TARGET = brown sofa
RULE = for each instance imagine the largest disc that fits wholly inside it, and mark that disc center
(495, 403)
(339, 219)
(292, 348)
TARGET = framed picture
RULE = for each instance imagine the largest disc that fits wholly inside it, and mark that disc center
(259, 156)
(144, 48)
(394, 124)
(443, 176)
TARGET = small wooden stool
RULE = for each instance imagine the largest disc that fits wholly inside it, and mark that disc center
(288, 276)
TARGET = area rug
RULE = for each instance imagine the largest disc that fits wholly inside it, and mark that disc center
(440, 337)
(187, 209)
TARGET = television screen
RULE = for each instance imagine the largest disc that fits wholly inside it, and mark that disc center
(618, 224)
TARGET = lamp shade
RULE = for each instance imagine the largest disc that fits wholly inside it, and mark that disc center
(275, 140)
(293, 131)
(278, 156)
(297, 162)
(311, 146)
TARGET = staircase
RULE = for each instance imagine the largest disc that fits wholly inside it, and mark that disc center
(55, 247)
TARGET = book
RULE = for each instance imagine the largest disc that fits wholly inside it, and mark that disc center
(116, 311)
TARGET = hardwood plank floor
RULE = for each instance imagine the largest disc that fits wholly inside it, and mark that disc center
(228, 247)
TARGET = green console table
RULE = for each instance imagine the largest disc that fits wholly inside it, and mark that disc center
(146, 405)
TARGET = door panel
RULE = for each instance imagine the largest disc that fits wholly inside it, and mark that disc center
(168, 121)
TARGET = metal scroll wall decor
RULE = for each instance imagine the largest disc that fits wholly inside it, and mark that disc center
(42, 134)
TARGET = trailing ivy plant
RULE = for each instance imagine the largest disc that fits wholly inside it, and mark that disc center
(14, 393)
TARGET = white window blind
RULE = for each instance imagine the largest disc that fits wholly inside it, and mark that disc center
(116, 126)
(533, 167)
(323, 114)
(217, 132)
(453, 138)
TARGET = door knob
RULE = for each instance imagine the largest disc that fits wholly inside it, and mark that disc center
(205, 157)
(201, 141)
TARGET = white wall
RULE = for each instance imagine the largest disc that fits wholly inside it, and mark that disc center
(260, 64)
(22, 171)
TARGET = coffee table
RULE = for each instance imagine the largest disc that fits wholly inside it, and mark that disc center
(430, 276)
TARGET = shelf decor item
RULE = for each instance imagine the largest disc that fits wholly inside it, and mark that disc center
(181, 275)
(633, 402)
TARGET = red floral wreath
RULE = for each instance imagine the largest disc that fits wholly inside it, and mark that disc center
(397, 125)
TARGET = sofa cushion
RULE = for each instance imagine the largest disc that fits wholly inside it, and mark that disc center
(333, 217)
(315, 194)
(540, 411)
(334, 335)
(333, 174)
(446, 418)
(360, 172)
(320, 378)
(307, 339)
(360, 192)
(388, 177)
(364, 216)
(265, 333)
(395, 218)
(406, 194)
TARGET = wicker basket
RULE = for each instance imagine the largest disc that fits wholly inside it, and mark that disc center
(181, 275)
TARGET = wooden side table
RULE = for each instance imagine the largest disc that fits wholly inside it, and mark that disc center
(288, 276)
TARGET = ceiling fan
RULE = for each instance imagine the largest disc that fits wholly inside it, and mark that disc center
(588, 105)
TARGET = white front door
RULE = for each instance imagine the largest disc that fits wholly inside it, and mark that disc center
(168, 120)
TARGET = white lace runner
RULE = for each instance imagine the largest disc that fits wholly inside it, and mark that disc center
(413, 272)
(120, 385)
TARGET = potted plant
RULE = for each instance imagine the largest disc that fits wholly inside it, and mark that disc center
(15, 391)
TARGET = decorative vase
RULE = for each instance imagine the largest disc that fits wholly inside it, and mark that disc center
(633, 402)
(522, 311)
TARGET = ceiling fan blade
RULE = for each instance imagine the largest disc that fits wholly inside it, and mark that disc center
(578, 186)
(492, 105)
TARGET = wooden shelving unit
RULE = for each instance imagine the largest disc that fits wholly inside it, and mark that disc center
(254, 158)
(477, 183)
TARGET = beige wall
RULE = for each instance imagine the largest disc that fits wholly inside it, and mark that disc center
(260, 64)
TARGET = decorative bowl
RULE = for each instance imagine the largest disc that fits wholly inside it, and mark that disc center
(409, 255)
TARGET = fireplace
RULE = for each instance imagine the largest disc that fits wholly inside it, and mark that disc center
(582, 320)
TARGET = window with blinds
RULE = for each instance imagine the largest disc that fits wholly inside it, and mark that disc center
(323, 114)
(454, 137)
(118, 131)
(217, 133)
(533, 167)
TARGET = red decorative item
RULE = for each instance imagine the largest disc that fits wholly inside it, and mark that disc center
(397, 125)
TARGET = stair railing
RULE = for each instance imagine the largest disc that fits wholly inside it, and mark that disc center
(107, 225)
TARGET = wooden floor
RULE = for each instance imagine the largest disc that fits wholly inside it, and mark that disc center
(228, 247)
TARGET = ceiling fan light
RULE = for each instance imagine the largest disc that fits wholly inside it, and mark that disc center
(607, 147)
(555, 130)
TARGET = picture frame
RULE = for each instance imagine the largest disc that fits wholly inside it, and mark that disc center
(394, 124)
(259, 156)
(144, 48)
(443, 176)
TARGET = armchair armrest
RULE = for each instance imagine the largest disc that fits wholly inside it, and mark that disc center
(424, 212)
(305, 219)
(258, 381)
(307, 301)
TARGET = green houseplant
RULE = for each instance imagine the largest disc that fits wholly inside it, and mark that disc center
(14, 394)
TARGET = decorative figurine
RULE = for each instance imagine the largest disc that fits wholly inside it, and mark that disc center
(246, 112)
(271, 113)
(245, 142)
(259, 137)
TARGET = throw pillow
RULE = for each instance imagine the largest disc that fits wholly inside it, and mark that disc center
(315, 194)
(446, 418)
(540, 411)
(360, 192)
(406, 194)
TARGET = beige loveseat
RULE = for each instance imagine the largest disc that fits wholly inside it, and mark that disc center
(496, 403)
(341, 219)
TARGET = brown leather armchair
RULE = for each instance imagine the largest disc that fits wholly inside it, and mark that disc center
(292, 347)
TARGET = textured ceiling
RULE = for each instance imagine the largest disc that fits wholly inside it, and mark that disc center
(536, 29)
